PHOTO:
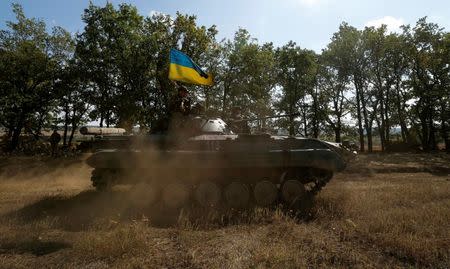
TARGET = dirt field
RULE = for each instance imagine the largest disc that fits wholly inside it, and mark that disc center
(386, 211)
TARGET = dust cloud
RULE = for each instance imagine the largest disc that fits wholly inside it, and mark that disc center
(34, 189)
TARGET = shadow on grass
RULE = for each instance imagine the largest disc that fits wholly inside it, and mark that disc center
(35, 247)
(91, 209)
(79, 212)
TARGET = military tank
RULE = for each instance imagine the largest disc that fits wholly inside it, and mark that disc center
(206, 163)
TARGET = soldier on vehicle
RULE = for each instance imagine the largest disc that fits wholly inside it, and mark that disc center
(237, 123)
(55, 138)
(197, 110)
(181, 103)
(179, 110)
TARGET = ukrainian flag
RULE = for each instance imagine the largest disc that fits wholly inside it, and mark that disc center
(183, 69)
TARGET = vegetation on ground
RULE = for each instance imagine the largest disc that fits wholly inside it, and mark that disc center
(51, 217)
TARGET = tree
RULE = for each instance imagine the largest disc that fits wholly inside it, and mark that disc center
(116, 72)
(296, 77)
(110, 50)
(249, 76)
(27, 73)
(397, 64)
(346, 54)
(332, 85)
(183, 33)
(381, 79)
(126, 59)
(428, 74)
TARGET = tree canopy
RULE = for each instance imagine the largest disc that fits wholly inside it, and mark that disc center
(364, 83)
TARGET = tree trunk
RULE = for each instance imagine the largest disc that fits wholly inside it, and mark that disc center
(224, 100)
(16, 132)
(291, 125)
(381, 134)
(108, 115)
(401, 117)
(315, 122)
(359, 118)
(369, 139)
(15, 137)
(37, 133)
(305, 124)
(9, 134)
(72, 132)
(66, 126)
(444, 129)
(368, 127)
(387, 124)
(432, 136)
(368, 122)
(207, 100)
(381, 122)
(337, 134)
(404, 129)
(378, 83)
(424, 130)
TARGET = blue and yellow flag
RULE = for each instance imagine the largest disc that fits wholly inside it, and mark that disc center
(183, 69)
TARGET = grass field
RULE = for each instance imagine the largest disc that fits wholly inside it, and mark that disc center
(386, 211)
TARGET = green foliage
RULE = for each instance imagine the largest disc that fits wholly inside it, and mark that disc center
(115, 72)
(296, 76)
(125, 57)
(429, 75)
(249, 75)
(27, 71)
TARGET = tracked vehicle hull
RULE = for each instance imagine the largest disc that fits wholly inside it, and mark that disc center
(213, 169)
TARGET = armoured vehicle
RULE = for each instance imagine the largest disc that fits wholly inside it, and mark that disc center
(202, 161)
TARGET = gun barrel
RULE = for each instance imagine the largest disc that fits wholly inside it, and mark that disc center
(269, 117)
(101, 131)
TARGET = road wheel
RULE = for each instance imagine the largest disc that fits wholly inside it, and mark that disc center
(101, 179)
(265, 193)
(320, 178)
(175, 195)
(207, 194)
(292, 191)
(237, 195)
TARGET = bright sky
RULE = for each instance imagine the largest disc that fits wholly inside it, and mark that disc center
(310, 23)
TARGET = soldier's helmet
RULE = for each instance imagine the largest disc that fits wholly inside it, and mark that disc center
(182, 91)
(236, 111)
(198, 109)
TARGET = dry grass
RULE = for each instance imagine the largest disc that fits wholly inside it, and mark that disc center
(406, 216)
(123, 240)
(49, 217)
